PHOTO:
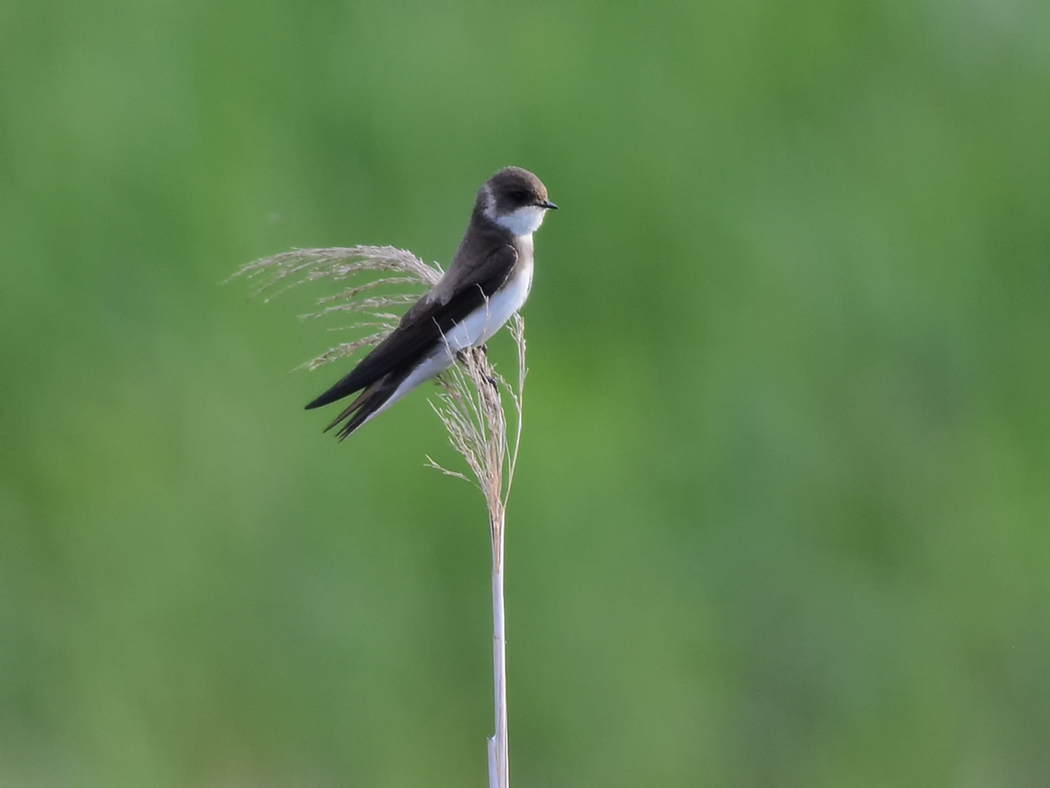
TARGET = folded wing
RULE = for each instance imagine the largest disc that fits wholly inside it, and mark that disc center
(416, 336)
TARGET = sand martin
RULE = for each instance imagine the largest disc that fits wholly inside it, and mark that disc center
(486, 283)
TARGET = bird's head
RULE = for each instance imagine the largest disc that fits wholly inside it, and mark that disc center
(515, 199)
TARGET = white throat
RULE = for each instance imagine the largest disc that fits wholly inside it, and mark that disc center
(523, 221)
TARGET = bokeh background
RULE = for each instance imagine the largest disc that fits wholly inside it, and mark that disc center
(781, 517)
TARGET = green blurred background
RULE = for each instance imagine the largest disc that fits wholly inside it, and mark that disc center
(781, 517)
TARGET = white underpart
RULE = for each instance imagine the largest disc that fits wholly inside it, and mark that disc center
(523, 221)
(474, 330)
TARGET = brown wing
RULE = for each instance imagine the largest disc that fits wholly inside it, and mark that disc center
(422, 327)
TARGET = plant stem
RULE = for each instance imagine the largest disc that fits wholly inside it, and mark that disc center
(499, 771)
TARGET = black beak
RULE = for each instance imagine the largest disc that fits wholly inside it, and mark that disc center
(548, 205)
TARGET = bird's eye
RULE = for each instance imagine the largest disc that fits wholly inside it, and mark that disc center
(519, 195)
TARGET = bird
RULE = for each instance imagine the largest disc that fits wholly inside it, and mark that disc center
(486, 283)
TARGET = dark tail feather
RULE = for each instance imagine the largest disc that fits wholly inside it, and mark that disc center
(344, 388)
(357, 412)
